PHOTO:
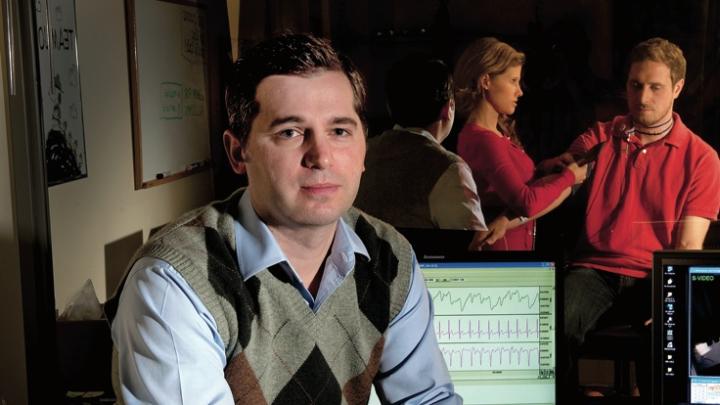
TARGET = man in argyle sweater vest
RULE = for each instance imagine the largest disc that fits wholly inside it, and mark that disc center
(282, 293)
(339, 346)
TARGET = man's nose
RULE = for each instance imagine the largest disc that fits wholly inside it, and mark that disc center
(318, 152)
(645, 95)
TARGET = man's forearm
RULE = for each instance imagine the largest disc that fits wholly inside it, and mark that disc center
(691, 232)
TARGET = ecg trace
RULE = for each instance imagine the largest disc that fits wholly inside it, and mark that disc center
(520, 328)
(485, 357)
(491, 300)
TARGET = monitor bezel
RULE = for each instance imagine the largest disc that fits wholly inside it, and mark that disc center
(662, 258)
(451, 245)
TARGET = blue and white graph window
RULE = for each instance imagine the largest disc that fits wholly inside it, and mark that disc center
(495, 323)
(704, 335)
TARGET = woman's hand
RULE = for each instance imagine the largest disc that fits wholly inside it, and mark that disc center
(578, 171)
(556, 164)
(496, 230)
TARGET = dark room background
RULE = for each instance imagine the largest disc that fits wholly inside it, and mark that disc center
(574, 73)
(575, 51)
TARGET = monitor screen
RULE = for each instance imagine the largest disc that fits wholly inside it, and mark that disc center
(686, 327)
(495, 322)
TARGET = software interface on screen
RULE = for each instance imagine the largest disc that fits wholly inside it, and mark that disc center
(690, 331)
(495, 323)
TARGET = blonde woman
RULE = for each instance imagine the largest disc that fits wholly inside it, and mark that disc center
(487, 78)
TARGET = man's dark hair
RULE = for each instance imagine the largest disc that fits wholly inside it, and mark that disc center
(417, 88)
(288, 54)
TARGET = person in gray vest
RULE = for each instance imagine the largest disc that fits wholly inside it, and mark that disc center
(411, 180)
(282, 293)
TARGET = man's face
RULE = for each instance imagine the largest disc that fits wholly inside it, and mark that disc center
(305, 151)
(650, 92)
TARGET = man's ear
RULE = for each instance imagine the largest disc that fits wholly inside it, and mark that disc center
(234, 151)
(677, 88)
(448, 110)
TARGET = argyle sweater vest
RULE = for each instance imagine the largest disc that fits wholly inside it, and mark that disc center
(278, 351)
(401, 169)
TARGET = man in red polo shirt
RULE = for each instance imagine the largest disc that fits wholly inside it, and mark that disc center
(655, 185)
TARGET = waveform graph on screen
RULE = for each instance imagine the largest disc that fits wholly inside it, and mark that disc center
(496, 329)
(487, 328)
(491, 300)
(498, 325)
(488, 357)
(493, 328)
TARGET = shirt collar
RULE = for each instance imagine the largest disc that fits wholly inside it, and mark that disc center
(257, 248)
(416, 131)
(677, 136)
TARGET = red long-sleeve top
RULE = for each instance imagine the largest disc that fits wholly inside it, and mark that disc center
(504, 175)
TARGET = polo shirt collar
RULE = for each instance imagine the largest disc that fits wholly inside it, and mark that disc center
(257, 248)
(677, 137)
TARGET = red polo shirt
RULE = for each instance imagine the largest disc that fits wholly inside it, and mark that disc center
(638, 194)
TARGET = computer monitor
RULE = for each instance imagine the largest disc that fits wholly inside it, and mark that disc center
(686, 327)
(495, 322)
(496, 318)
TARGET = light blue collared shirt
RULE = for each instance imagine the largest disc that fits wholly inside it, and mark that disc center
(170, 350)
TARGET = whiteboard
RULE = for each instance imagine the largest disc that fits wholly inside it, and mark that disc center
(169, 87)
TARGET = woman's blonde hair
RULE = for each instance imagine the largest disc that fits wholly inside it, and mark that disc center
(484, 56)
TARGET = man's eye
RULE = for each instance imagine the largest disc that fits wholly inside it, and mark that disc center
(289, 133)
(341, 132)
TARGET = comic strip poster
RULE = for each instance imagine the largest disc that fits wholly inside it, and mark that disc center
(60, 91)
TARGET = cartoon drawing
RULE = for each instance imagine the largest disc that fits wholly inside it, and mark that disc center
(61, 158)
(60, 85)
